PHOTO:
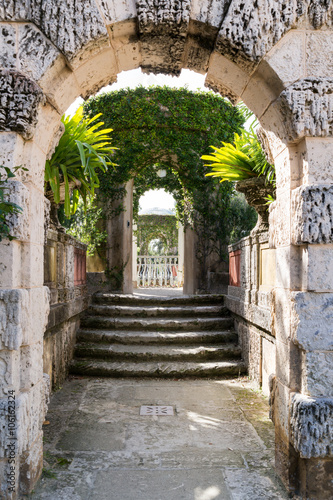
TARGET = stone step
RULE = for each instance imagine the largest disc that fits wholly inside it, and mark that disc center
(176, 369)
(146, 311)
(157, 352)
(135, 300)
(154, 337)
(156, 324)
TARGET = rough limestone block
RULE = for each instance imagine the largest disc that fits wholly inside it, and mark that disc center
(279, 221)
(19, 223)
(287, 58)
(316, 13)
(92, 75)
(312, 425)
(312, 208)
(31, 464)
(115, 11)
(289, 267)
(210, 12)
(319, 268)
(268, 364)
(60, 85)
(8, 46)
(9, 371)
(10, 264)
(35, 52)
(225, 77)
(319, 54)
(251, 29)
(163, 28)
(23, 316)
(69, 25)
(30, 416)
(311, 320)
(39, 308)
(317, 160)
(14, 306)
(20, 98)
(317, 378)
(307, 106)
(31, 364)
(205, 21)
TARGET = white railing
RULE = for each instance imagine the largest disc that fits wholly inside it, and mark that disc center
(157, 271)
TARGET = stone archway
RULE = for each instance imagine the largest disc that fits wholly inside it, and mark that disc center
(276, 56)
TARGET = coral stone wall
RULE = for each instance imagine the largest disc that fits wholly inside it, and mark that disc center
(276, 56)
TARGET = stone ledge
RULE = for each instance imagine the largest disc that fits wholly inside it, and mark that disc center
(59, 313)
(311, 421)
(253, 314)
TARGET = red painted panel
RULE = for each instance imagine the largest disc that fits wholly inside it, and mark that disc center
(79, 267)
(234, 268)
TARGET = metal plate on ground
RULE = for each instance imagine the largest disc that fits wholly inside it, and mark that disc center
(156, 410)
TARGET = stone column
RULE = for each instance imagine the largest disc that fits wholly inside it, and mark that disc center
(191, 265)
(301, 230)
(119, 244)
(181, 251)
(134, 259)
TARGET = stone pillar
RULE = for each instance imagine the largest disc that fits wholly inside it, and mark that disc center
(24, 307)
(119, 244)
(301, 230)
(134, 259)
(191, 265)
(181, 251)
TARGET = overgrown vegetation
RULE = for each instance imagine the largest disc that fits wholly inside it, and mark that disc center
(83, 151)
(162, 228)
(242, 159)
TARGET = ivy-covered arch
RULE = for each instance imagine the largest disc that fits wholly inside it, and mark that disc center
(155, 226)
(161, 128)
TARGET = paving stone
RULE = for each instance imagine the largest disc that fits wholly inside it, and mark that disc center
(209, 449)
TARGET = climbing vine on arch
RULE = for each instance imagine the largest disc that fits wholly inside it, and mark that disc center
(161, 128)
(165, 128)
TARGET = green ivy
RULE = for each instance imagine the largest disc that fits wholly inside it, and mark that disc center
(162, 227)
(160, 127)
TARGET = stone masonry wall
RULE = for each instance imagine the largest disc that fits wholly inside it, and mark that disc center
(250, 303)
(67, 301)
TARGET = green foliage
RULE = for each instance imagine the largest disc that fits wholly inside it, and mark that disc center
(241, 218)
(86, 225)
(83, 150)
(157, 227)
(164, 128)
(241, 160)
(7, 208)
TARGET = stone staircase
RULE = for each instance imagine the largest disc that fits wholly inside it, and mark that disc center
(131, 336)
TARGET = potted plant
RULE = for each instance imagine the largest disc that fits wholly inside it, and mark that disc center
(72, 170)
(245, 162)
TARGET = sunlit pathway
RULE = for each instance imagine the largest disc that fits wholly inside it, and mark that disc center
(219, 444)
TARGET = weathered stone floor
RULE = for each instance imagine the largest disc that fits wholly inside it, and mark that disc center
(218, 445)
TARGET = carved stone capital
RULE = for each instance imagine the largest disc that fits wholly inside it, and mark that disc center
(307, 106)
(312, 207)
(19, 101)
(311, 423)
